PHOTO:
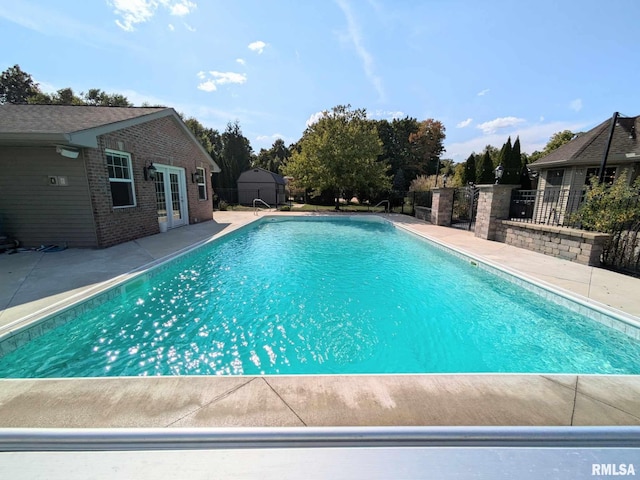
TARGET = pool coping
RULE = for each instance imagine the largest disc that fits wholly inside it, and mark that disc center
(430, 399)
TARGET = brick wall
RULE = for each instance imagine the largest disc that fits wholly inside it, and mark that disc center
(158, 141)
(573, 245)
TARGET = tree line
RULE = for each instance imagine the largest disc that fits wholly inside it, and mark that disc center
(343, 154)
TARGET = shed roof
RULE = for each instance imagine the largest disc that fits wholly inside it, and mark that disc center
(588, 148)
(278, 179)
(78, 125)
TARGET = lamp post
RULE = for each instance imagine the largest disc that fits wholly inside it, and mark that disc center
(498, 172)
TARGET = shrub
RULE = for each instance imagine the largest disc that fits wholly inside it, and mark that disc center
(222, 206)
(608, 208)
(285, 208)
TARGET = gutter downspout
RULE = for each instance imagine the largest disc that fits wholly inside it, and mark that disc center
(603, 164)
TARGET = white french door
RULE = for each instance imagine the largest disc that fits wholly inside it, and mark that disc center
(171, 195)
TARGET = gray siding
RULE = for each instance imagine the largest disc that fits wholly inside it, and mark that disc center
(258, 183)
(37, 213)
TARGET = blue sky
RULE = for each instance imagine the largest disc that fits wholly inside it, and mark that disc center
(486, 69)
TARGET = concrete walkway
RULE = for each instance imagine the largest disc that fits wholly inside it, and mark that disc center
(36, 281)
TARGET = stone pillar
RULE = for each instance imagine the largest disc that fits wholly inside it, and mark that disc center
(493, 204)
(442, 206)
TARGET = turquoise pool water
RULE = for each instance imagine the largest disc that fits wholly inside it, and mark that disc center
(319, 296)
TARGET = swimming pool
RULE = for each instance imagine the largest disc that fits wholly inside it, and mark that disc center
(324, 295)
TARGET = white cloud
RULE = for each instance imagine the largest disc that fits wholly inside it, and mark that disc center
(219, 78)
(356, 38)
(208, 86)
(464, 123)
(171, 27)
(493, 126)
(189, 27)
(482, 93)
(576, 105)
(386, 114)
(241, 61)
(132, 12)
(222, 78)
(541, 118)
(314, 118)
(180, 8)
(257, 46)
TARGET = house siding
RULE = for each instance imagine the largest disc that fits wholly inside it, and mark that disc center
(159, 141)
(33, 211)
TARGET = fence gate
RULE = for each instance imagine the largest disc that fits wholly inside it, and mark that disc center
(465, 207)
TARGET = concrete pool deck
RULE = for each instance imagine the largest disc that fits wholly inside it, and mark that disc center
(34, 281)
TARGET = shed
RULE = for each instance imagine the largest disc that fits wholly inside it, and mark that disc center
(263, 184)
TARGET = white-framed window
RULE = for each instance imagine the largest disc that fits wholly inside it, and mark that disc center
(201, 180)
(123, 191)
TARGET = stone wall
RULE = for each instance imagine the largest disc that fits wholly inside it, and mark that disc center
(423, 213)
(493, 204)
(574, 245)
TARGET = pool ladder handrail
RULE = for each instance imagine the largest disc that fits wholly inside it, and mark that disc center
(255, 211)
(387, 208)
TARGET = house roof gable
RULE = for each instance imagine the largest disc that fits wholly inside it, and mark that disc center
(588, 148)
(79, 125)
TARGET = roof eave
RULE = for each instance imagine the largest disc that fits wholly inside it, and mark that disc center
(33, 139)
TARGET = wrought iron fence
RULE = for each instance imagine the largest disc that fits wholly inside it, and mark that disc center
(465, 207)
(558, 207)
(552, 206)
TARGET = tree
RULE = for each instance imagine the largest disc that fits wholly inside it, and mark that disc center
(556, 141)
(98, 98)
(511, 162)
(16, 86)
(274, 158)
(94, 97)
(504, 157)
(339, 153)
(427, 146)
(210, 138)
(234, 157)
(485, 169)
(469, 172)
(396, 148)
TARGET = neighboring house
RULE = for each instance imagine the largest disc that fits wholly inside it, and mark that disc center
(564, 174)
(82, 176)
(262, 184)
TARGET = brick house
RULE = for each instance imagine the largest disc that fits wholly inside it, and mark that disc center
(87, 176)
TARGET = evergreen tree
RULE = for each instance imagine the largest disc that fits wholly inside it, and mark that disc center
(514, 167)
(485, 170)
(399, 182)
(469, 175)
(503, 159)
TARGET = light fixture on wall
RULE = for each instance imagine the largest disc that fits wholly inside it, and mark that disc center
(149, 172)
(498, 172)
(197, 177)
(68, 152)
